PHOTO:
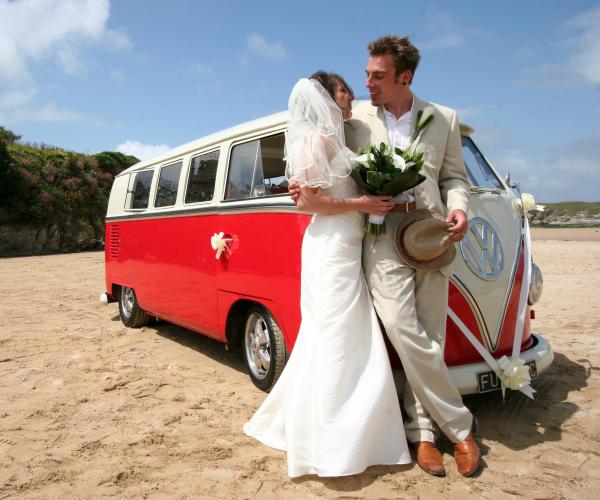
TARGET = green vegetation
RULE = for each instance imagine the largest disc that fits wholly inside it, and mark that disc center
(573, 208)
(46, 185)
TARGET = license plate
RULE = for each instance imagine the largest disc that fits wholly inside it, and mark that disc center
(489, 381)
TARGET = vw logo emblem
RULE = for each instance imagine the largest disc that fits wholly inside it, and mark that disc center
(482, 250)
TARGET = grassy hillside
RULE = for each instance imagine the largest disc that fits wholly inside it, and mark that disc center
(42, 185)
(573, 208)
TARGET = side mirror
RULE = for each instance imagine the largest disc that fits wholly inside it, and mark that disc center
(514, 185)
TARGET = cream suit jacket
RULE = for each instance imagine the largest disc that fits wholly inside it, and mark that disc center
(412, 304)
(446, 186)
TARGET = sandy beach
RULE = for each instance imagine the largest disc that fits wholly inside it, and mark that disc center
(90, 409)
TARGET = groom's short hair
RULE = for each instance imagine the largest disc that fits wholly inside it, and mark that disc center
(405, 54)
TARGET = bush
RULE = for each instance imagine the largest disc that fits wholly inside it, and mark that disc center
(40, 186)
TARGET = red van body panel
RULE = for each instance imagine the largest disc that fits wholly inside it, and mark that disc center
(171, 265)
(197, 291)
(459, 351)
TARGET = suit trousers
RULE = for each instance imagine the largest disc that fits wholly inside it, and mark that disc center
(412, 305)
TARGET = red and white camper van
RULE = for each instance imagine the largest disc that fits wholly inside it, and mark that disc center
(205, 236)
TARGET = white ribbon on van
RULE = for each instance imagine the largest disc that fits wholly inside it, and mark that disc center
(219, 243)
(513, 373)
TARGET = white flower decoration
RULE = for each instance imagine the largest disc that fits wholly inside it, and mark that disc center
(515, 375)
(365, 159)
(427, 112)
(219, 243)
(399, 162)
(526, 203)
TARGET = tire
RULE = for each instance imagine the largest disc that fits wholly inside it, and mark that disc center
(131, 314)
(264, 348)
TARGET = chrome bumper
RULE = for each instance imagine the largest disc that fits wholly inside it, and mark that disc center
(465, 376)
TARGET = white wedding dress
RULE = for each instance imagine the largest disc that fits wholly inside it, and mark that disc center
(334, 409)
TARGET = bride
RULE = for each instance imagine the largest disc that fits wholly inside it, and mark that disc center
(334, 409)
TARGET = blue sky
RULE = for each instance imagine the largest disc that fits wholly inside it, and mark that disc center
(140, 76)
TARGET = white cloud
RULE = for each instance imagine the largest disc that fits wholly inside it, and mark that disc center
(551, 76)
(444, 32)
(566, 172)
(582, 46)
(586, 55)
(141, 151)
(470, 111)
(206, 77)
(32, 30)
(52, 113)
(259, 46)
(51, 32)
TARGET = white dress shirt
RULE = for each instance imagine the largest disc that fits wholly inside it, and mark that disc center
(399, 135)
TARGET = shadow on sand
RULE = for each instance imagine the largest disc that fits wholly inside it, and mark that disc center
(200, 343)
(515, 421)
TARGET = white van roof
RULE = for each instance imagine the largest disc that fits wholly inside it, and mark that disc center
(249, 127)
(216, 138)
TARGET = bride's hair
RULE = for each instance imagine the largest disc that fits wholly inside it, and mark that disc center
(328, 81)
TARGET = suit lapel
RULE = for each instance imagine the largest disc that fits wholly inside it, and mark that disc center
(379, 133)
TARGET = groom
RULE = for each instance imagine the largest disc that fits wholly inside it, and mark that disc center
(411, 303)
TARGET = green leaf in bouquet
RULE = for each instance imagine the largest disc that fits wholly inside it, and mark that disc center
(400, 183)
(361, 181)
(375, 179)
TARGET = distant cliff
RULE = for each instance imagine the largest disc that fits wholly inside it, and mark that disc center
(52, 200)
(568, 214)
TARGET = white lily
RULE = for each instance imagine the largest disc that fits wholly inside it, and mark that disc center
(364, 159)
(427, 112)
(219, 243)
(399, 162)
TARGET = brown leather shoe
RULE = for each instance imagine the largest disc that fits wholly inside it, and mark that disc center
(467, 456)
(429, 458)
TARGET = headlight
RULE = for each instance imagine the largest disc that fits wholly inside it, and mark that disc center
(536, 285)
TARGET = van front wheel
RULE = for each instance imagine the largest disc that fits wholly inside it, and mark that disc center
(129, 309)
(264, 348)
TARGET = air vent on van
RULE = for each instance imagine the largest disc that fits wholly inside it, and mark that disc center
(114, 241)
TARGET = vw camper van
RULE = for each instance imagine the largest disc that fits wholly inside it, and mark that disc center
(205, 236)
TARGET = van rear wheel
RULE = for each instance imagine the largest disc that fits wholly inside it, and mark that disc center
(264, 348)
(129, 309)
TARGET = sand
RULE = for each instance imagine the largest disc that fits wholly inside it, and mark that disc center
(89, 408)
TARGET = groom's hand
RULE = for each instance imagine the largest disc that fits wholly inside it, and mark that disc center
(459, 224)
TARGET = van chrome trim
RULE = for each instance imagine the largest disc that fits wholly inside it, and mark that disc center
(482, 249)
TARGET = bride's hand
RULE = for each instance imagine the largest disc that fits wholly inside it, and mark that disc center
(309, 199)
(294, 191)
(376, 205)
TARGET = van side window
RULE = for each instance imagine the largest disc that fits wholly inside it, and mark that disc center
(138, 193)
(166, 193)
(201, 181)
(480, 173)
(257, 169)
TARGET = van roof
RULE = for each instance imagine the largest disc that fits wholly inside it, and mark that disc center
(248, 127)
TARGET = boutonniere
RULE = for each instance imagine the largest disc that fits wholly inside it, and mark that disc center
(424, 118)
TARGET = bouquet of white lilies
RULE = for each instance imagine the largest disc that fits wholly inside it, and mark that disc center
(388, 171)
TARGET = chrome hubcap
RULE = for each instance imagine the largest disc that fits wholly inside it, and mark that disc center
(257, 345)
(127, 299)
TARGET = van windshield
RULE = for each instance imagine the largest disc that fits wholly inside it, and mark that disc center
(479, 171)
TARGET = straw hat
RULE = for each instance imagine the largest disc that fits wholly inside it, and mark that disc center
(423, 241)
